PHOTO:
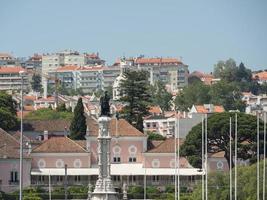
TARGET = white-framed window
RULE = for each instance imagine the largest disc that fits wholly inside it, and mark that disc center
(116, 159)
(155, 163)
(155, 179)
(59, 163)
(77, 178)
(41, 163)
(13, 177)
(59, 178)
(41, 179)
(132, 159)
(77, 163)
(116, 178)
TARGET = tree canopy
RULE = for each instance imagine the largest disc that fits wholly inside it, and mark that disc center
(78, 124)
(222, 93)
(197, 93)
(36, 83)
(218, 184)
(218, 138)
(160, 96)
(134, 90)
(8, 112)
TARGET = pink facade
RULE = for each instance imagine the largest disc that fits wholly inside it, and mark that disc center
(9, 174)
(77, 160)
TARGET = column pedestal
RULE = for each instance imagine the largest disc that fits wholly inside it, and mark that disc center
(104, 189)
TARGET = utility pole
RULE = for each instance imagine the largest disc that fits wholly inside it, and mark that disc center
(66, 182)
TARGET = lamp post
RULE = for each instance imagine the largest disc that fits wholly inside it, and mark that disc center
(22, 74)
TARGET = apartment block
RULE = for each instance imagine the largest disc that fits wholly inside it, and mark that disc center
(171, 71)
(87, 78)
(10, 79)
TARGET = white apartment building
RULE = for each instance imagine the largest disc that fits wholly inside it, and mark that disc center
(10, 79)
(171, 71)
(87, 78)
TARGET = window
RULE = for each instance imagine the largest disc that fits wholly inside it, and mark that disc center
(41, 178)
(117, 178)
(148, 125)
(59, 178)
(155, 178)
(132, 159)
(116, 159)
(77, 178)
(13, 177)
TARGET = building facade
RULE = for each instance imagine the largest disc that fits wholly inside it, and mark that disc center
(11, 80)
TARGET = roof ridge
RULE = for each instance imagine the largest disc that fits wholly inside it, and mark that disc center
(75, 143)
(9, 135)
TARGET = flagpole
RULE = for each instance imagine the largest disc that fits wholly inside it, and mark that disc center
(230, 167)
(258, 156)
(264, 157)
(49, 182)
(175, 157)
(235, 156)
(206, 154)
(202, 154)
(178, 152)
(145, 181)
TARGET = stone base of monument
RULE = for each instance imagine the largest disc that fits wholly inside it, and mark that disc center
(104, 196)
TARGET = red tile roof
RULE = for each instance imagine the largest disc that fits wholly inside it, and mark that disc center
(261, 76)
(59, 145)
(155, 110)
(67, 68)
(157, 61)
(8, 70)
(202, 109)
(9, 146)
(168, 146)
(56, 125)
(124, 128)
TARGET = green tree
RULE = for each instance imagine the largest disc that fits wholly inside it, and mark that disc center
(161, 97)
(243, 74)
(194, 94)
(218, 138)
(155, 136)
(36, 83)
(8, 112)
(135, 93)
(218, 184)
(62, 108)
(226, 70)
(78, 124)
(193, 80)
(228, 95)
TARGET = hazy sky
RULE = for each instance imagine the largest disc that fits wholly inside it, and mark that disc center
(200, 31)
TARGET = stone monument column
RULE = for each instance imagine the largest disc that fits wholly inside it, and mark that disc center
(104, 189)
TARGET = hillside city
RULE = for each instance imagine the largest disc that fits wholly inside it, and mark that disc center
(157, 107)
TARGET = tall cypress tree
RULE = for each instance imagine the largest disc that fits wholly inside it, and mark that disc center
(135, 93)
(78, 124)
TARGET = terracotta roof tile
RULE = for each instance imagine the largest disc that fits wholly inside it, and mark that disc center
(124, 128)
(57, 125)
(59, 145)
(203, 109)
(5, 70)
(157, 61)
(155, 110)
(9, 146)
(261, 76)
(166, 147)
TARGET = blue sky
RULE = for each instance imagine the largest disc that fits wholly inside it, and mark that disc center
(201, 32)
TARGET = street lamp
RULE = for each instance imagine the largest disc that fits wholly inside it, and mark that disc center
(22, 75)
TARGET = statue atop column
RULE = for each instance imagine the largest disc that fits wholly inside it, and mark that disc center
(104, 104)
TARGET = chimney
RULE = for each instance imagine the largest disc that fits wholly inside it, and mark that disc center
(29, 148)
(45, 135)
